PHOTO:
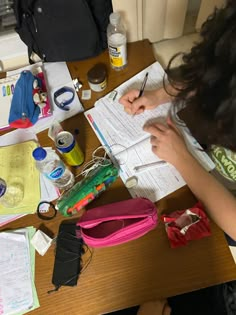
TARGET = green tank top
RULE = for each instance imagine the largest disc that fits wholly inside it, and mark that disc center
(225, 161)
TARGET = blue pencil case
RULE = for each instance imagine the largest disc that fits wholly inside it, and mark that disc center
(24, 112)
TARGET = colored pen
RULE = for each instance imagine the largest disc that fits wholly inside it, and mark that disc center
(145, 167)
(142, 87)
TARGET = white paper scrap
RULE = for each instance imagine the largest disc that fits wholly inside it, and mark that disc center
(41, 242)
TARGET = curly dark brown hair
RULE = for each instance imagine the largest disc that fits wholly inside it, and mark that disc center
(207, 77)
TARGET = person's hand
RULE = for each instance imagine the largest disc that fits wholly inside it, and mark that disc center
(159, 307)
(167, 143)
(133, 104)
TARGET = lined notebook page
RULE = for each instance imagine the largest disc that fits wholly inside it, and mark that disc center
(16, 293)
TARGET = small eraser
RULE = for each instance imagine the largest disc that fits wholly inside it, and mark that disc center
(131, 182)
(86, 94)
(41, 242)
(112, 96)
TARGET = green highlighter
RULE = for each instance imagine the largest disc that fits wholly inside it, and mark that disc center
(87, 189)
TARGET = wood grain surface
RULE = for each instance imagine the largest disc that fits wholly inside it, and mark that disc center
(140, 270)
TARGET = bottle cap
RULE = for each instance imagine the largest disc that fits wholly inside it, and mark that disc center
(114, 18)
(39, 154)
(3, 187)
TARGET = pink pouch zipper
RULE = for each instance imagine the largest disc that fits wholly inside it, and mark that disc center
(99, 228)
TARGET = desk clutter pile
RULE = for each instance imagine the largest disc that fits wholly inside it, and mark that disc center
(36, 95)
(42, 177)
(28, 103)
(20, 180)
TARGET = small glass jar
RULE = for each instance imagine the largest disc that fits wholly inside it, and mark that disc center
(11, 193)
(97, 77)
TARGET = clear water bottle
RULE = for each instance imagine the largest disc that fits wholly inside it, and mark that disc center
(117, 43)
(51, 166)
(11, 192)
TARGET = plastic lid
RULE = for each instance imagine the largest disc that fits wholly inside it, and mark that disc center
(97, 74)
(114, 18)
(39, 154)
(3, 187)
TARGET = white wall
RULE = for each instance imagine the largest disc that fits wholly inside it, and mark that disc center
(13, 52)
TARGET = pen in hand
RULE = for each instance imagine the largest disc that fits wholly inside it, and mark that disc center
(142, 87)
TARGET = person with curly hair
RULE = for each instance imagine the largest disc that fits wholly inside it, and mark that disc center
(202, 90)
(204, 87)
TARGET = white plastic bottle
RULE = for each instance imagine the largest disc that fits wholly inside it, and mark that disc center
(51, 166)
(11, 192)
(117, 42)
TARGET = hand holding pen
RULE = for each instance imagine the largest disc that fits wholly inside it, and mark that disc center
(135, 101)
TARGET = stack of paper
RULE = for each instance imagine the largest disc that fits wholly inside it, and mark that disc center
(16, 162)
(17, 260)
(129, 144)
(48, 192)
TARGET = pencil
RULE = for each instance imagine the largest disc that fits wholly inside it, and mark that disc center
(145, 167)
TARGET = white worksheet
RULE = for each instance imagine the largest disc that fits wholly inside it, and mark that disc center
(126, 141)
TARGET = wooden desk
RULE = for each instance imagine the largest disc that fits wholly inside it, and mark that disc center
(141, 270)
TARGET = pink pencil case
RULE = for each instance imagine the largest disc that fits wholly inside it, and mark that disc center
(118, 222)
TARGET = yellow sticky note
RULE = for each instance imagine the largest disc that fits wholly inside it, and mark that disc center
(17, 161)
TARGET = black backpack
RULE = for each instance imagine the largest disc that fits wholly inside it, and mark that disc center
(63, 30)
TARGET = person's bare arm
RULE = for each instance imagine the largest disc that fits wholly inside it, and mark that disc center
(168, 145)
(219, 202)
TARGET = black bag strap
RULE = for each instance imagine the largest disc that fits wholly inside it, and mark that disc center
(24, 14)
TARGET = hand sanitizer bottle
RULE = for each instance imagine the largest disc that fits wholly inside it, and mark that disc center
(117, 42)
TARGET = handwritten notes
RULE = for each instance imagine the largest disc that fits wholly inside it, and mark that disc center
(17, 291)
(130, 145)
(16, 161)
